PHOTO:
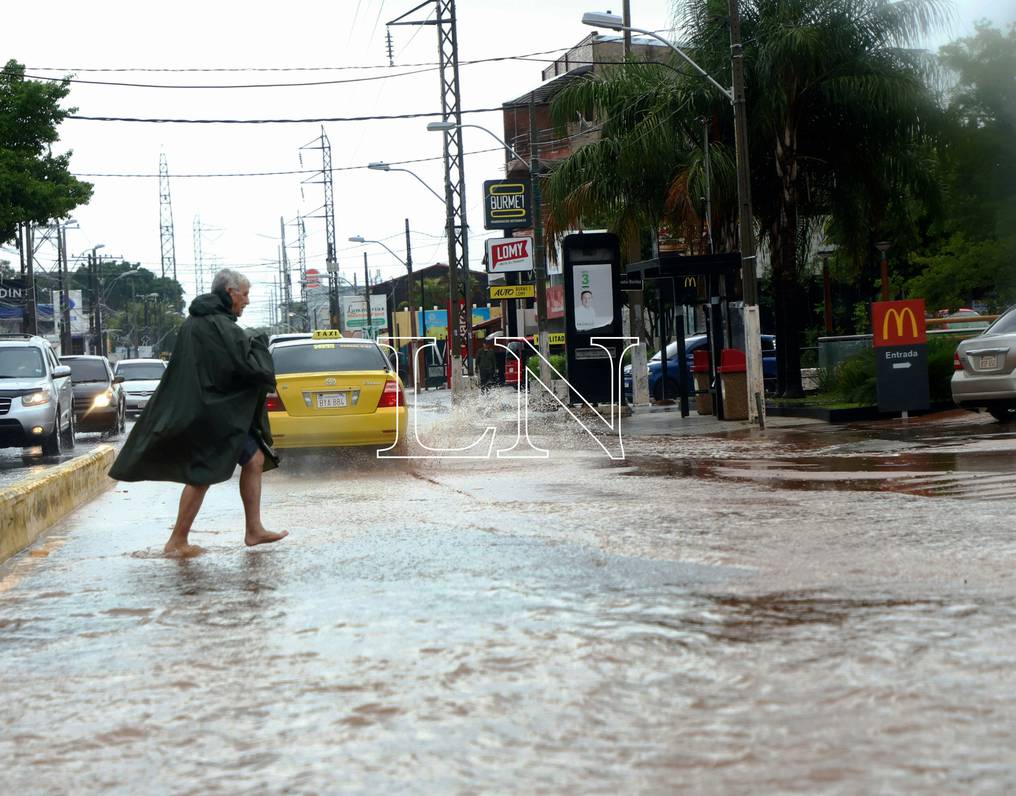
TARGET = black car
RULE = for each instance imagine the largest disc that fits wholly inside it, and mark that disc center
(99, 402)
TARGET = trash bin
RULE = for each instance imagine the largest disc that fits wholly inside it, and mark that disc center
(733, 371)
(700, 371)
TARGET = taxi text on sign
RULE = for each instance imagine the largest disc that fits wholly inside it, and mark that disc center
(509, 254)
(500, 292)
(901, 355)
(506, 204)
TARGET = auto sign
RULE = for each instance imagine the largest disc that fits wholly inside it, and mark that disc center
(509, 254)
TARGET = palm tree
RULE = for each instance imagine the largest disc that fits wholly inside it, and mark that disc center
(840, 116)
(645, 169)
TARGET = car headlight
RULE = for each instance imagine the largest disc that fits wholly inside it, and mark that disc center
(35, 398)
(102, 400)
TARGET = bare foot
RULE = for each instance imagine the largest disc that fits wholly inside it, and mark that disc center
(261, 536)
(182, 550)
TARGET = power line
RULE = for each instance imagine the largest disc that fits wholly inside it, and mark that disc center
(178, 70)
(280, 173)
(316, 120)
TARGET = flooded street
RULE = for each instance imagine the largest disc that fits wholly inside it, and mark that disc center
(808, 610)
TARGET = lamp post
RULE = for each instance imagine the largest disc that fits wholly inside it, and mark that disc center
(445, 126)
(93, 280)
(824, 254)
(746, 237)
(408, 263)
(103, 292)
(883, 247)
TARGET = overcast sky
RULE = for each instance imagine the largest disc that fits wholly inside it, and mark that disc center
(242, 214)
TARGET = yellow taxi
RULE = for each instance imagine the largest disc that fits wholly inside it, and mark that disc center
(335, 392)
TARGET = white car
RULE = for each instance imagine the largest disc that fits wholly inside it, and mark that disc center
(141, 378)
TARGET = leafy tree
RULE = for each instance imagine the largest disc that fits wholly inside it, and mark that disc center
(840, 116)
(35, 185)
(972, 245)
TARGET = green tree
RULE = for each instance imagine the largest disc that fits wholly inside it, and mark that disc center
(841, 119)
(969, 257)
(35, 185)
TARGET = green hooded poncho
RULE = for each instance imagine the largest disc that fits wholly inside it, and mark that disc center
(210, 397)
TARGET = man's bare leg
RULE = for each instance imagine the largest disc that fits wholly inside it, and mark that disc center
(190, 503)
(250, 494)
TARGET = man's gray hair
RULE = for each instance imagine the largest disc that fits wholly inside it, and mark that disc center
(228, 278)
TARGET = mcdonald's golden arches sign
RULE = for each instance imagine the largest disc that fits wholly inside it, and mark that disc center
(898, 323)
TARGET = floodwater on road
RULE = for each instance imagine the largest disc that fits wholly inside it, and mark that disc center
(802, 610)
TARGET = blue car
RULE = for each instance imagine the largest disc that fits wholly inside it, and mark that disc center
(691, 345)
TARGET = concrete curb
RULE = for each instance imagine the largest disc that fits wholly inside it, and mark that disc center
(29, 507)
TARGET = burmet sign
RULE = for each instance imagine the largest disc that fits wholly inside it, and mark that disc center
(506, 204)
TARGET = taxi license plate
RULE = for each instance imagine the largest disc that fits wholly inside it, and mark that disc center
(331, 400)
(989, 362)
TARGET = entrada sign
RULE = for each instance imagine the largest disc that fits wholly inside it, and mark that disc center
(506, 204)
(901, 355)
(509, 254)
(502, 292)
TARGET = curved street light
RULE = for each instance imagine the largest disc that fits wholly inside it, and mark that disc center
(444, 127)
(382, 166)
(749, 280)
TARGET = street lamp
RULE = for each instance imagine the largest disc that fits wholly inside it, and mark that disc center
(382, 166)
(103, 293)
(824, 253)
(749, 282)
(883, 246)
(445, 126)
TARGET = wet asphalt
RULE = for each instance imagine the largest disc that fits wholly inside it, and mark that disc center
(803, 610)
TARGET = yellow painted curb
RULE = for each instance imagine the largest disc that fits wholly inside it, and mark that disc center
(29, 507)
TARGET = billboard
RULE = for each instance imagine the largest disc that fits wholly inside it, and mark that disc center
(354, 315)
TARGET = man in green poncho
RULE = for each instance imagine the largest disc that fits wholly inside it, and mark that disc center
(208, 414)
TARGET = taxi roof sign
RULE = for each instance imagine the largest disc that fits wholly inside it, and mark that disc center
(327, 334)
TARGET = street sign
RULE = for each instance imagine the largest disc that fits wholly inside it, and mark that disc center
(509, 254)
(506, 204)
(901, 355)
(554, 338)
(501, 292)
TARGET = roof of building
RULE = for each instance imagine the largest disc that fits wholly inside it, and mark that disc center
(548, 90)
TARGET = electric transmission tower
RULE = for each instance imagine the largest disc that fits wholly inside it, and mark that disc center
(166, 220)
(301, 238)
(455, 181)
(331, 261)
(199, 264)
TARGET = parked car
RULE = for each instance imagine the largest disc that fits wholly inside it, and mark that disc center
(692, 344)
(984, 375)
(36, 398)
(141, 379)
(99, 400)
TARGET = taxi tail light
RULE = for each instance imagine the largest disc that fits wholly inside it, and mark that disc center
(391, 396)
(957, 362)
(273, 403)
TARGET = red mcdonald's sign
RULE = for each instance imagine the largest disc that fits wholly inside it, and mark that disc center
(898, 322)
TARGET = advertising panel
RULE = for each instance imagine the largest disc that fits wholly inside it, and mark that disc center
(354, 315)
(593, 296)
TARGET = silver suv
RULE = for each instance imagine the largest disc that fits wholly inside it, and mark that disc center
(36, 397)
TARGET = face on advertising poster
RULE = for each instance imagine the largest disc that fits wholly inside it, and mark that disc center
(593, 299)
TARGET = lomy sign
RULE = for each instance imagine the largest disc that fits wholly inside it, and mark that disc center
(509, 254)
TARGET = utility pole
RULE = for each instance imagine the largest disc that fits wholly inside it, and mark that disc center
(708, 178)
(287, 281)
(30, 322)
(331, 260)
(100, 346)
(66, 341)
(626, 18)
(301, 248)
(199, 265)
(455, 184)
(746, 228)
(540, 259)
(366, 297)
(168, 242)
(411, 369)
